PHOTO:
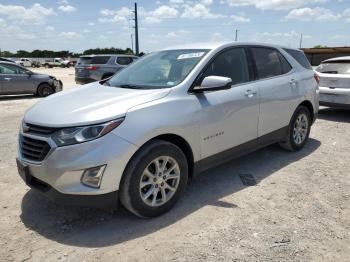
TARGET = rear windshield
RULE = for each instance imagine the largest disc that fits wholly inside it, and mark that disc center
(299, 56)
(334, 67)
(96, 60)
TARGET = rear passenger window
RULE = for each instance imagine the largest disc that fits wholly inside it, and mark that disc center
(124, 60)
(231, 63)
(269, 62)
(100, 60)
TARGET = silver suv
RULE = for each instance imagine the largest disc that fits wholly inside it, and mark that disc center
(140, 135)
(90, 68)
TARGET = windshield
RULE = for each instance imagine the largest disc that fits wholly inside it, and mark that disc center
(334, 67)
(162, 69)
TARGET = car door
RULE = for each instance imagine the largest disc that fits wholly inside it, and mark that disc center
(15, 80)
(229, 117)
(278, 88)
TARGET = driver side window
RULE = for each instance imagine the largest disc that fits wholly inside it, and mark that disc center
(230, 63)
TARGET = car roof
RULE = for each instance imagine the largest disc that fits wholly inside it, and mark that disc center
(341, 58)
(121, 55)
(215, 45)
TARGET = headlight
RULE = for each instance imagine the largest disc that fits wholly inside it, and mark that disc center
(75, 135)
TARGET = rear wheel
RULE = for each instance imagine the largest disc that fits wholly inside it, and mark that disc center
(154, 179)
(299, 130)
(45, 90)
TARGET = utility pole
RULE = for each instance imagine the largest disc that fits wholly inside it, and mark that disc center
(132, 42)
(236, 37)
(136, 31)
(301, 40)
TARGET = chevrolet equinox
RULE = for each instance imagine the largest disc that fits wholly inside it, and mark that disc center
(139, 136)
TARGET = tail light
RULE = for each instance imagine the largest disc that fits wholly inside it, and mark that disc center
(317, 78)
(92, 68)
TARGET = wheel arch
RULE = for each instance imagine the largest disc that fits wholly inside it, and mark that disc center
(178, 141)
(310, 107)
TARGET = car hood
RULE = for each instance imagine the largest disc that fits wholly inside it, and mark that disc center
(89, 104)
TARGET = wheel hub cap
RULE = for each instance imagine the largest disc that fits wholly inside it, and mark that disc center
(159, 181)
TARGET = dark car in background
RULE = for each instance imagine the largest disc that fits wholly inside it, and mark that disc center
(90, 68)
(15, 79)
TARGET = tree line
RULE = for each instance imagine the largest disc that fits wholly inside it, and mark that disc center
(51, 54)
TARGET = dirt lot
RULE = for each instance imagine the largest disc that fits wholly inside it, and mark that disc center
(298, 211)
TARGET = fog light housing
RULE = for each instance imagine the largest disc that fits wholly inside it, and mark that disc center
(92, 177)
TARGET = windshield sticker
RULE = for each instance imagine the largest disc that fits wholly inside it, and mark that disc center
(190, 55)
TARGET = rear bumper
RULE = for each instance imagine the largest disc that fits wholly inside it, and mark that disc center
(84, 80)
(335, 97)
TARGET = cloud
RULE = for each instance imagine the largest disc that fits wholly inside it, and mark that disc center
(273, 4)
(119, 16)
(346, 15)
(312, 14)
(177, 34)
(70, 35)
(240, 19)
(67, 8)
(36, 14)
(162, 12)
(91, 24)
(199, 11)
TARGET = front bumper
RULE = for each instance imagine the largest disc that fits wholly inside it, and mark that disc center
(59, 174)
(108, 201)
(335, 97)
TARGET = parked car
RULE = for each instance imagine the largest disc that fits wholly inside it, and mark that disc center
(90, 68)
(15, 79)
(2, 59)
(56, 62)
(335, 82)
(26, 62)
(140, 135)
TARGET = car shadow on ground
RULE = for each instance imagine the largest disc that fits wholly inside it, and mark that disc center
(93, 228)
(334, 114)
(16, 97)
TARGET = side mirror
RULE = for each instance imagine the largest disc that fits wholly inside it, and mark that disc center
(29, 73)
(213, 83)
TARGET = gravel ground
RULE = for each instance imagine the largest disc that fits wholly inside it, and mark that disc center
(299, 210)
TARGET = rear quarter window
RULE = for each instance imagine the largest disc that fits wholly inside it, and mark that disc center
(124, 60)
(300, 57)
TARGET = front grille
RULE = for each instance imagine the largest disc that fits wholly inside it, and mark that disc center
(39, 130)
(33, 149)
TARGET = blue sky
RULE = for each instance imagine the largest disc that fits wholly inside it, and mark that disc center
(77, 25)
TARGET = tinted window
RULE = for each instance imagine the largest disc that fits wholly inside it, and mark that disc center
(84, 61)
(300, 57)
(100, 60)
(124, 60)
(232, 64)
(10, 69)
(268, 63)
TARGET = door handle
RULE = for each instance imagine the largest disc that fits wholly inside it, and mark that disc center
(249, 93)
(7, 79)
(293, 83)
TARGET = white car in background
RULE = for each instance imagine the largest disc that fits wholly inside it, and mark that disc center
(334, 76)
(24, 62)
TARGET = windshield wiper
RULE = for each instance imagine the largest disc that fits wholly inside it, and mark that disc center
(129, 86)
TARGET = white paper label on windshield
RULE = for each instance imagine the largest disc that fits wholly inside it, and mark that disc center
(190, 55)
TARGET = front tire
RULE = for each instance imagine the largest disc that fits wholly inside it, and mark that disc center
(299, 130)
(154, 179)
(45, 90)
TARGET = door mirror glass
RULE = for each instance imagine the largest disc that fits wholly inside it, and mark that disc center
(213, 83)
